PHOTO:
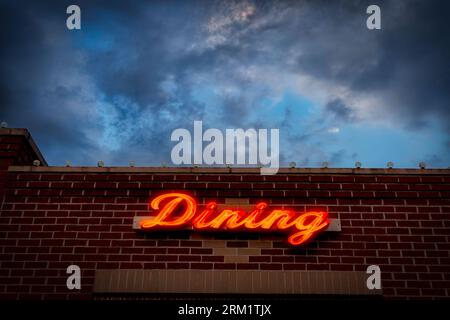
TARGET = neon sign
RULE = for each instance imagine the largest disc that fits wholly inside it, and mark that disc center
(177, 210)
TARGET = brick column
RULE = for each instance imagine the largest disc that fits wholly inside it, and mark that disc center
(16, 148)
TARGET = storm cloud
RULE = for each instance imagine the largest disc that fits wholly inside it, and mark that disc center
(136, 71)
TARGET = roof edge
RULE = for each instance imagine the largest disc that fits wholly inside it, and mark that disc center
(224, 170)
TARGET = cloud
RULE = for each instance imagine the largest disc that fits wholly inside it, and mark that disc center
(339, 110)
(334, 130)
(136, 71)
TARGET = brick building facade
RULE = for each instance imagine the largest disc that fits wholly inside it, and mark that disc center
(53, 217)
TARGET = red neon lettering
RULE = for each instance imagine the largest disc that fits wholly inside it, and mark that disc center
(178, 210)
(164, 218)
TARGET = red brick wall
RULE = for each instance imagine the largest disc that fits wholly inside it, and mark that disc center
(16, 148)
(52, 217)
(50, 220)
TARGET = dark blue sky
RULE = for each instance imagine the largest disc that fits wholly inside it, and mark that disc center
(136, 71)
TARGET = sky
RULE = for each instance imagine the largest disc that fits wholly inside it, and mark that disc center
(137, 70)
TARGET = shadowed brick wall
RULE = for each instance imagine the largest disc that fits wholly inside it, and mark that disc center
(52, 217)
(16, 148)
